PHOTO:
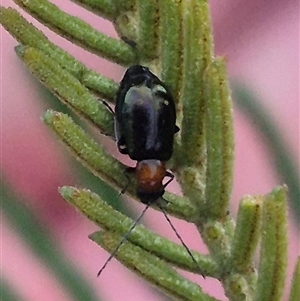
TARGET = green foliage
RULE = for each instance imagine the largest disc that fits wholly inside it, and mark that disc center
(173, 38)
(43, 246)
(295, 288)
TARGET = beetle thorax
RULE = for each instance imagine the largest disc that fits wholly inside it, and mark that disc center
(149, 175)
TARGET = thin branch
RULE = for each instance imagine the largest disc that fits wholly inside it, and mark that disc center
(29, 35)
(151, 268)
(273, 254)
(78, 31)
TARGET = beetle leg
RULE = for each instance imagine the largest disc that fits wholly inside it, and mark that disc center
(171, 176)
(129, 42)
(108, 106)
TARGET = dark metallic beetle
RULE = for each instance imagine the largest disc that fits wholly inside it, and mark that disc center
(145, 119)
(145, 127)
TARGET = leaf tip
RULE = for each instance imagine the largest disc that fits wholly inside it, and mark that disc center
(68, 193)
(20, 50)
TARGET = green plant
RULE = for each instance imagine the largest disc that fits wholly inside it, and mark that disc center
(174, 39)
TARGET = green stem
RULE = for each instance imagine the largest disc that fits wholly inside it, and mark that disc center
(78, 31)
(148, 35)
(98, 211)
(85, 149)
(67, 88)
(104, 8)
(214, 142)
(151, 268)
(171, 46)
(273, 254)
(29, 35)
(295, 287)
(195, 60)
(246, 235)
(103, 165)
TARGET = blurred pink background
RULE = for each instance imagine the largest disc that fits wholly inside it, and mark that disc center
(260, 40)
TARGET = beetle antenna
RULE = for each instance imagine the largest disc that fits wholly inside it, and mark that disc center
(113, 253)
(179, 237)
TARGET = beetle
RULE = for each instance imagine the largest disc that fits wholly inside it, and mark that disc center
(145, 119)
(145, 126)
